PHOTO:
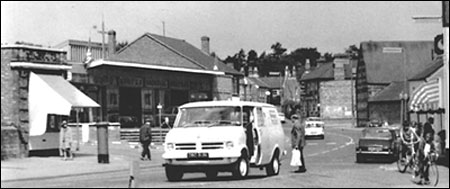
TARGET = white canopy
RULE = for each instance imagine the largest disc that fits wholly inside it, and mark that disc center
(51, 94)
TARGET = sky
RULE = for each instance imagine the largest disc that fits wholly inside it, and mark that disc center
(329, 26)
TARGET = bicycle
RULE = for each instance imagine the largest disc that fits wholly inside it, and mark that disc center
(409, 159)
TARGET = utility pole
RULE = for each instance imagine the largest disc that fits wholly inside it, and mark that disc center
(103, 32)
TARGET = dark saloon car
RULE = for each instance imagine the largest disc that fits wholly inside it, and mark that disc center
(377, 143)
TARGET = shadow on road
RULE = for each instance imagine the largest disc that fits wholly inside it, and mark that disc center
(221, 178)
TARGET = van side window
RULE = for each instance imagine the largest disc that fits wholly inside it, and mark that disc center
(260, 117)
(273, 117)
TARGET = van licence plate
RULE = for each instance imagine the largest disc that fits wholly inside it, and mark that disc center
(195, 155)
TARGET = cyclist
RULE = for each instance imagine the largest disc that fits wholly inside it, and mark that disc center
(408, 135)
(426, 146)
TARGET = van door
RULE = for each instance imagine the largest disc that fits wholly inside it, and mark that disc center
(263, 133)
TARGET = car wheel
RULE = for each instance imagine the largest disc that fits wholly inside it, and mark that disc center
(322, 137)
(240, 168)
(359, 158)
(173, 174)
(274, 166)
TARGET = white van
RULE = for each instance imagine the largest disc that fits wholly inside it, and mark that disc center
(224, 136)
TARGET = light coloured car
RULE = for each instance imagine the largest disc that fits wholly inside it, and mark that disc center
(314, 127)
(224, 136)
(282, 117)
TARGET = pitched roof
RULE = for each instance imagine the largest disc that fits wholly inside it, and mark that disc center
(196, 54)
(272, 82)
(326, 72)
(165, 51)
(391, 92)
(432, 68)
(383, 67)
(258, 82)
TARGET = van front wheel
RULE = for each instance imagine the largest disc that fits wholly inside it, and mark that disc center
(240, 168)
(173, 174)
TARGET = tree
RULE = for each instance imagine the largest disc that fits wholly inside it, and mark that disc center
(252, 58)
(121, 45)
(328, 57)
(353, 51)
(278, 50)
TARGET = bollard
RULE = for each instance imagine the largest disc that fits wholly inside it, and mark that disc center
(134, 171)
(102, 142)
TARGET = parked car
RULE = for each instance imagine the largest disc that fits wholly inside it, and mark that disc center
(375, 123)
(378, 143)
(314, 127)
(282, 117)
(224, 136)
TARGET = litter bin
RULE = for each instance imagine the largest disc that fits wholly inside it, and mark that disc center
(102, 142)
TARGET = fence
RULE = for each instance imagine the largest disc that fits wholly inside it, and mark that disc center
(132, 135)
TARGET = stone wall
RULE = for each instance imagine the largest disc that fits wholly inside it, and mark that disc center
(335, 99)
(10, 143)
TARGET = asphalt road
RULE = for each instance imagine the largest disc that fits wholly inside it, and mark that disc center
(330, 163)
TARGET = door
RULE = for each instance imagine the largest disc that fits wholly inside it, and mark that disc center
(130, 108)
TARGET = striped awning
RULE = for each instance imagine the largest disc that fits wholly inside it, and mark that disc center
(427, 96)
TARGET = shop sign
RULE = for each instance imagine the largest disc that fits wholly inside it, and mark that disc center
(131, 81)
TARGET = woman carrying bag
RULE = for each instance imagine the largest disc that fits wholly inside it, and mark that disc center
(298, 142)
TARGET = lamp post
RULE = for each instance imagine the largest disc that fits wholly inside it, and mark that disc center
(245, 88)
(159, 110)
(267, 96)
(403, 98)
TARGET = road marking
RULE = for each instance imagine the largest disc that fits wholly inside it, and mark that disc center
(350, 142)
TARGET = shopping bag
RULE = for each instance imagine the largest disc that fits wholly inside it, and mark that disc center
(296, 155)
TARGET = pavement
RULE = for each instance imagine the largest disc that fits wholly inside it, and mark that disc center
(121, 156)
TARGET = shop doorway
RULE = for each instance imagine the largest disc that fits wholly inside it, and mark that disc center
(130, 108)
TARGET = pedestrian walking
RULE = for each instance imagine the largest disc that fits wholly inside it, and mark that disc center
(428, 127)
(298, 139)
(65, 141)
(145, 137)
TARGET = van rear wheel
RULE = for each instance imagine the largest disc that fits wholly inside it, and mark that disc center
(274, 166)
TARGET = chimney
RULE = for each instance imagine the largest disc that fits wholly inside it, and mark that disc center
(205, 44)
(111, 42)
(339, 65)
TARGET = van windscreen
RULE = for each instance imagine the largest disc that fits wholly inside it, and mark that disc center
(210, 116)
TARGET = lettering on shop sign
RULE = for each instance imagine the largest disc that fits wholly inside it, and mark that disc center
(104, 80)
(156, 83)
(131, 81)
(40, 56)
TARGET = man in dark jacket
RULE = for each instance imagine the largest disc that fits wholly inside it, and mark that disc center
(298, 139)
(145, 137)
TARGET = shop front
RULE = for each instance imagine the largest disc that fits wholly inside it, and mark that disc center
(131, 95)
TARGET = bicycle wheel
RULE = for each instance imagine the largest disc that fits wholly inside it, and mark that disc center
(433, 173)
(402, 162)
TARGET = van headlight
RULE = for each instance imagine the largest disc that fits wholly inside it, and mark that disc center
(229, 144)
(169, 146)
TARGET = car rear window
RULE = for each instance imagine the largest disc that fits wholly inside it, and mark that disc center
(376, 132)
